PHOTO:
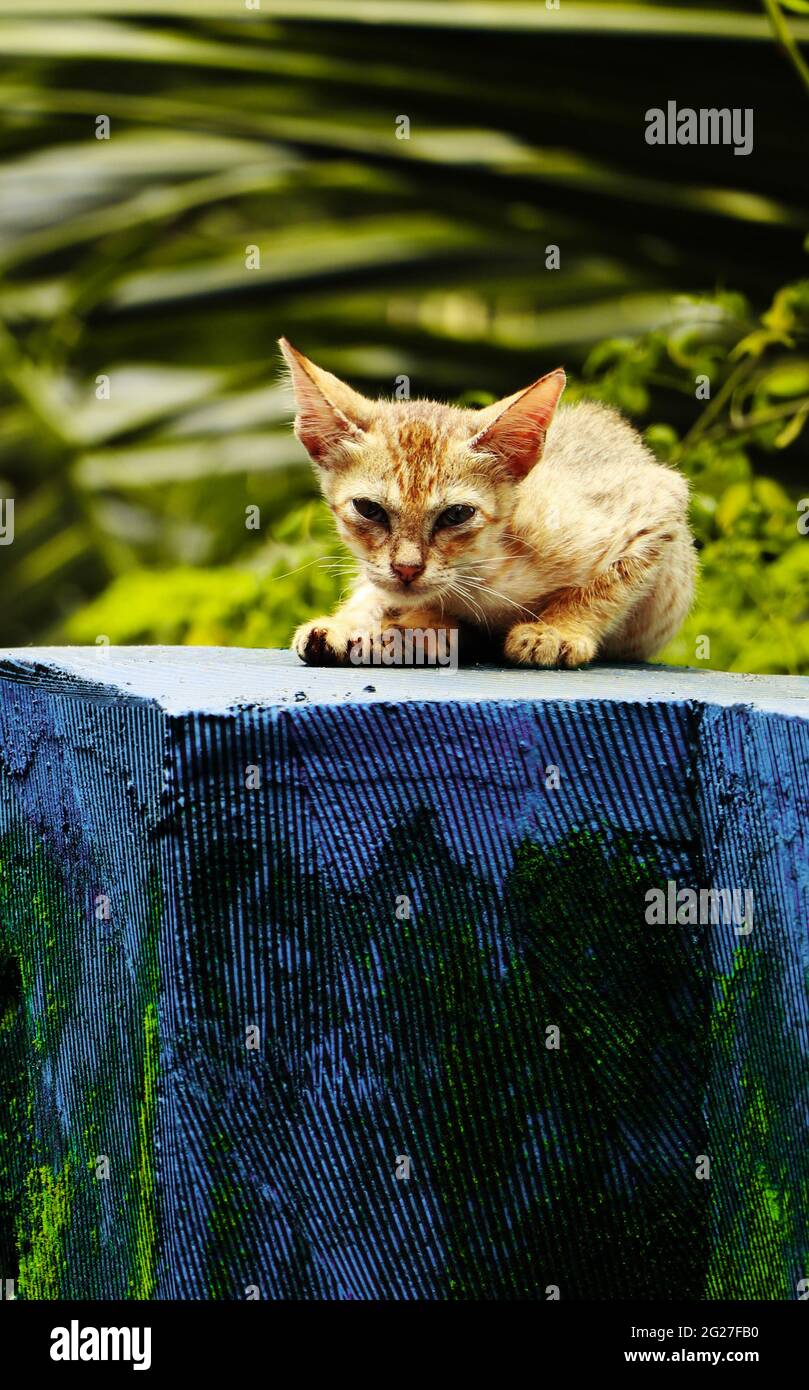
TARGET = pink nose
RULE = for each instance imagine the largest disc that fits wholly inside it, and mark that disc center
(407, 573)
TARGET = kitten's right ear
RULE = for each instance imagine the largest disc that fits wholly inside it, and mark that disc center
(328, 412)
(514, 429)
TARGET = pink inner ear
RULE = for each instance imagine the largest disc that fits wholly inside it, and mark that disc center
(320, 426)
(517, 434)
(320, 423)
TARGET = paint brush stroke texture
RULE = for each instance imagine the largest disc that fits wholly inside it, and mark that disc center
(153, 908)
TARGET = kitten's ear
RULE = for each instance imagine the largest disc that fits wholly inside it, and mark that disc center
(514, 429)
(328, 411)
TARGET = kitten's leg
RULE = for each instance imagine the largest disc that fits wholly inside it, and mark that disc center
(326, 641)
(575, 622)
(472, 643)
(656, 617)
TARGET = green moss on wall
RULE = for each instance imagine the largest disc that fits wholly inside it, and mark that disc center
(43, 1227)
(144, 1274)
(760, 1180)
(51, 1199)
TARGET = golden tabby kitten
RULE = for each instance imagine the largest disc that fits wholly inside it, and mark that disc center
(553, 530)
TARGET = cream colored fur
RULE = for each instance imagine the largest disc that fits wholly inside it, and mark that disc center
(579, 544)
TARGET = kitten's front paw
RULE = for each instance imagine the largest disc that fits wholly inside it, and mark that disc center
(539, 644)
(322, 642)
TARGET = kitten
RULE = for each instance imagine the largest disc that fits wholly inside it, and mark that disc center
(552, 530)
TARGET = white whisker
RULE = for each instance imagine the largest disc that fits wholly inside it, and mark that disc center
(323, 560)
(520, 540)
(482, 587)
(456, 587)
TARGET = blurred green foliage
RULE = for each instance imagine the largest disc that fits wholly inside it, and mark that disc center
(141, 409)
(754, 592)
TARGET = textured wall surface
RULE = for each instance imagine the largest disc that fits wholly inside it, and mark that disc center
(268, 932)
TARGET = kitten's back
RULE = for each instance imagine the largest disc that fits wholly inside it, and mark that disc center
(596, 489)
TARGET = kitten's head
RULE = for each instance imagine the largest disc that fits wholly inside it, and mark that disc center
(420, 491)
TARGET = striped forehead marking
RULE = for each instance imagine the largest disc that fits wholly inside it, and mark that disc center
(418, 451)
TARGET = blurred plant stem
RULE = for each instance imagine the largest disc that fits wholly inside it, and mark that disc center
(784, 35)
(26, 381)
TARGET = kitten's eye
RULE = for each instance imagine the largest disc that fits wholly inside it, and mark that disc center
(454, 516)
(370, 510)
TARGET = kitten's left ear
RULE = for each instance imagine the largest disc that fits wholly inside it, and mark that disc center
(514, 429)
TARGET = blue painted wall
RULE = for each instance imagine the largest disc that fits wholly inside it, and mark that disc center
(382, 1035)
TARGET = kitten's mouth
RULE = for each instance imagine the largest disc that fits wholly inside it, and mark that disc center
(403, 590)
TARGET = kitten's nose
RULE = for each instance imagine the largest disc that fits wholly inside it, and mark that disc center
(407, 573)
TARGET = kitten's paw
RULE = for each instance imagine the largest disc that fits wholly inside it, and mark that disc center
(322, 642)
(577, 650)
(539, 644)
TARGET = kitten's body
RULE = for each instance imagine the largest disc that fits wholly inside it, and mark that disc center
(578, 544)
